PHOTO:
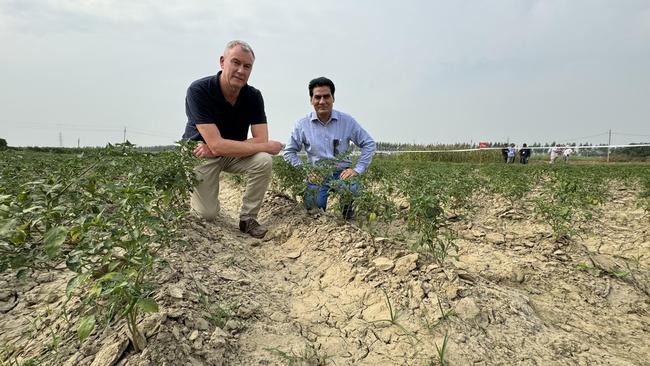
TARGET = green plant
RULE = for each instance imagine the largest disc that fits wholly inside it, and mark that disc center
(105, 215)
(427, 216)
(309, 356)
(288, 179)
(444, 316)
(568, 199)
(372, 207)
(442, 350)
(621, 274)
(218, 315)
(644, 196)
(393, 315)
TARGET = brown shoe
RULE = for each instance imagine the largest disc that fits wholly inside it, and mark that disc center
(253, 228)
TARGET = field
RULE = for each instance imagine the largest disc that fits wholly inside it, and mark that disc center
(456, 264)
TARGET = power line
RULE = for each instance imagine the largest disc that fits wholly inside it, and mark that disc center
(67, 126)
(629, 134)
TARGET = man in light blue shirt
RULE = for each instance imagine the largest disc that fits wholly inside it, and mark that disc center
(326, 135)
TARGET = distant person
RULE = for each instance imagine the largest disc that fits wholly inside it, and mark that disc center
(326, 133)
(524, 154)
(567, 153)
(556, 151)
(510, 154)
(504, 153)
(220, 110)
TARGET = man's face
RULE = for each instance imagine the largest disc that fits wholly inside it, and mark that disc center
(236, 66)
(323, 101)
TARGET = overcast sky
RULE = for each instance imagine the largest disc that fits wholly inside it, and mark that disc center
(408, 71)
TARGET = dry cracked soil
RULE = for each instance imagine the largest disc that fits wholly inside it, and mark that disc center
(320, 291)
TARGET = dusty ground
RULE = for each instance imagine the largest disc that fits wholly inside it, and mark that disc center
(318, 290)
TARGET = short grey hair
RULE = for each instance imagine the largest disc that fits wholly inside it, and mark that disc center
(245, 46)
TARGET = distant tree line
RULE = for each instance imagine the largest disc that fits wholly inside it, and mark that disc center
(594, 150)
(75, 150)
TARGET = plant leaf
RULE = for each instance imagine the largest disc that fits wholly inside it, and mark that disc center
(53, 239)
(148, 305)
(6, 226)
(86, 327)
(75, 282)
(75, 232)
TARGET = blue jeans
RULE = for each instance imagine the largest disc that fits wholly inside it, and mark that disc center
(316, 195)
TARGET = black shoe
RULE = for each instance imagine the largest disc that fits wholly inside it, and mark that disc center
(253, 228)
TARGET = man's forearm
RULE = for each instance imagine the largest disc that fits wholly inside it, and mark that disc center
(233, 148)
(256, 140)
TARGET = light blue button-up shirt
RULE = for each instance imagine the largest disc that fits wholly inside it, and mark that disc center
(326, 141)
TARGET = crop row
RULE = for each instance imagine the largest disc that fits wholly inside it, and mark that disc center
(563, 196)
(103, 216)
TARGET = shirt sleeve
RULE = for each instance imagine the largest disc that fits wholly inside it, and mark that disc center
(362, 139)
(258, 115)
(196, 105)
(294, 145)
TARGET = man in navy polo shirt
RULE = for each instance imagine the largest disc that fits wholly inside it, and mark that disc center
(220, 110)
(326, 134)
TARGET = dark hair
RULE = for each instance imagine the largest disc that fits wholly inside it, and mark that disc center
(525, 145)
(321, 81)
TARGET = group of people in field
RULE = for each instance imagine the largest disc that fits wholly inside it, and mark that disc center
(222, 108)
(558, 150)
(510, 152)
(221, 111)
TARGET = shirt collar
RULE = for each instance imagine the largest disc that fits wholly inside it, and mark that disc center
(314, 117)
(219, 92)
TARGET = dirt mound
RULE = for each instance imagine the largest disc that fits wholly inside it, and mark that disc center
(318, 290)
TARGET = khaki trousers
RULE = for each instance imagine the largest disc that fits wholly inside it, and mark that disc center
(258, 170)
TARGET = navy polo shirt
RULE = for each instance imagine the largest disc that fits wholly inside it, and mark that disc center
(205, 103)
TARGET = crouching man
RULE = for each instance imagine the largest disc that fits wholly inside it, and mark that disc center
(220, 110)
(326, 133)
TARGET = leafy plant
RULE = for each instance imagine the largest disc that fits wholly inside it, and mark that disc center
(105, 216)
(288, 178)
(567, 200)
(218, 314)
(309, 356)
(444, 316)
(442, 350)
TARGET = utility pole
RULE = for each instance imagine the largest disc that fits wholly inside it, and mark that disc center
(609, 143)
(78, 142)
(60, 139)
(124, 135)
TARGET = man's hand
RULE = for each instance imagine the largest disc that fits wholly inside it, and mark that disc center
(347, 173)
(203, 151)
(274, 147)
